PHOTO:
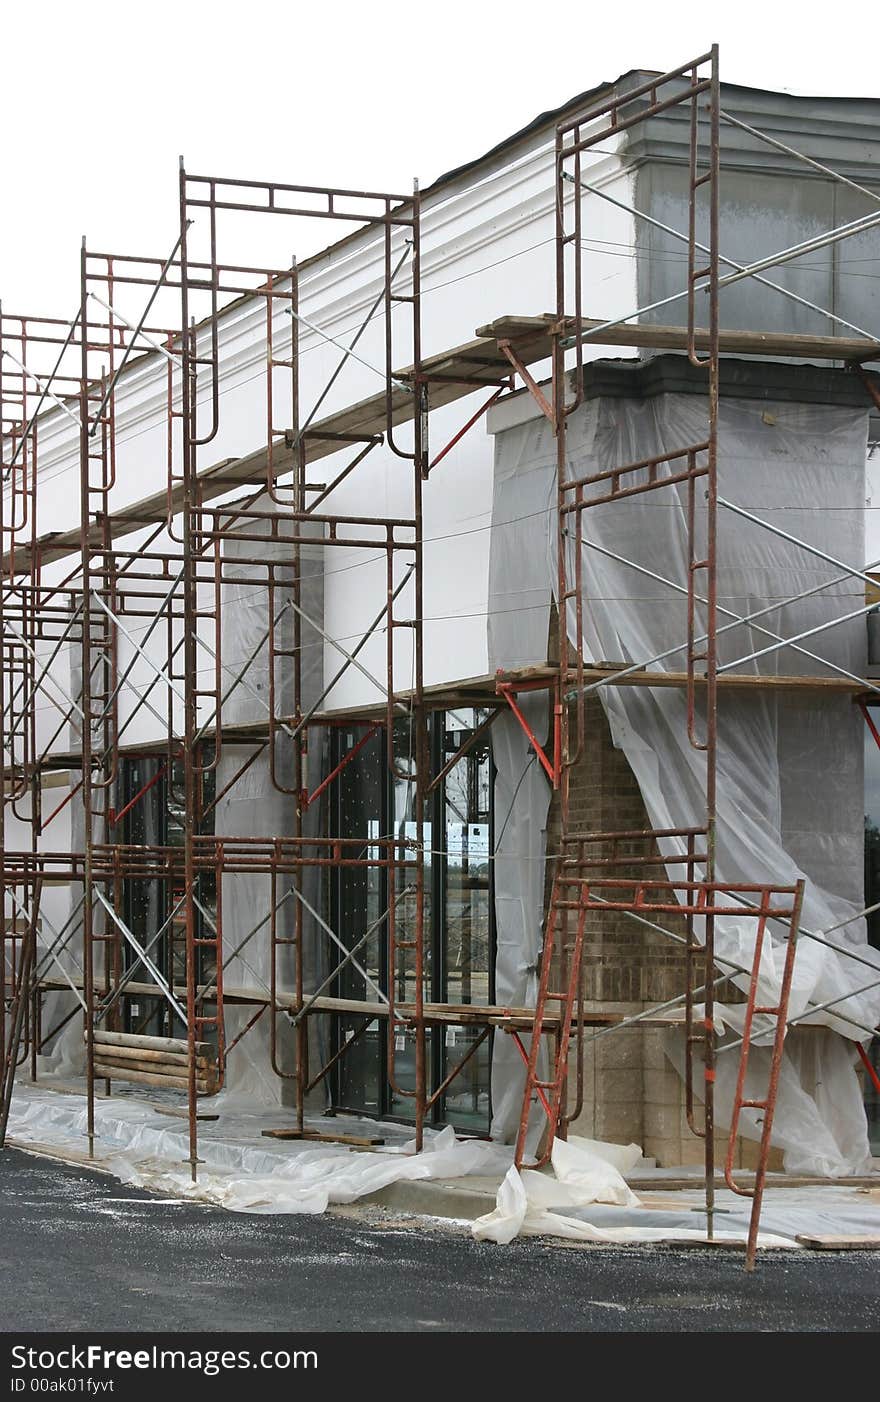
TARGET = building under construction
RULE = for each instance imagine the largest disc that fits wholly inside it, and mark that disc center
(436, 669)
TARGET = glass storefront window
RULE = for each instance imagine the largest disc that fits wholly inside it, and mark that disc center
(467, 926)
(371, 800)
(359, 899)
(152, 802)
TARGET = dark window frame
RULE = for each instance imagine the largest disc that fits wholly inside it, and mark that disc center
(437, 933)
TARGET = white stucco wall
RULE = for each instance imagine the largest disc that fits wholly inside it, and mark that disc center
(487, 251)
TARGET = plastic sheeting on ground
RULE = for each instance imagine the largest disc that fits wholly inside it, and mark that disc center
(589, 1200)
(238, 1170)
(583, 1203)
(585, 1198)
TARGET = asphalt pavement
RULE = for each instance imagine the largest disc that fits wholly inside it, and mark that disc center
(82, 1251)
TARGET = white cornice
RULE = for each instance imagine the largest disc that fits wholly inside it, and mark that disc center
(338, 291)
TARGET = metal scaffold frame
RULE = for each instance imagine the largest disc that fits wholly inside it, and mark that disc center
(174, 578)
(609, 873)
(166, 561)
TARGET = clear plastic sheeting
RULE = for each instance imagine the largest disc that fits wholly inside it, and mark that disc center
(583, 1197)
(262, 802)
(523, 518)
(522, 800)
(64, 1053)
(790, 785)
(819, 1121)
(60, 941)
(587, 1200)
(533, 1204)
(518, 624)
(237, 1169)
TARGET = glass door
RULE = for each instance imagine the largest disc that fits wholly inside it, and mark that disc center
(367, 800)
(358, 902)
(466, 912)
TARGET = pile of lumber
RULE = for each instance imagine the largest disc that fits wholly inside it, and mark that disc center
(153, 1061)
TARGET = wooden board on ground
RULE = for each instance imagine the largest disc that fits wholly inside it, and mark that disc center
(180, 1112)
(822, 1241)
(321, 1138)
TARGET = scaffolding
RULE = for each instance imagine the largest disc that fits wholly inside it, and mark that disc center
(251, 521)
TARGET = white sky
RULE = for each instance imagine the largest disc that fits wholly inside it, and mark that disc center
(99, 100)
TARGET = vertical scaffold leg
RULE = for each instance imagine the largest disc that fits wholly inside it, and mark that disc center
(570, 893)
(779, 1011)
(20, 1000)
